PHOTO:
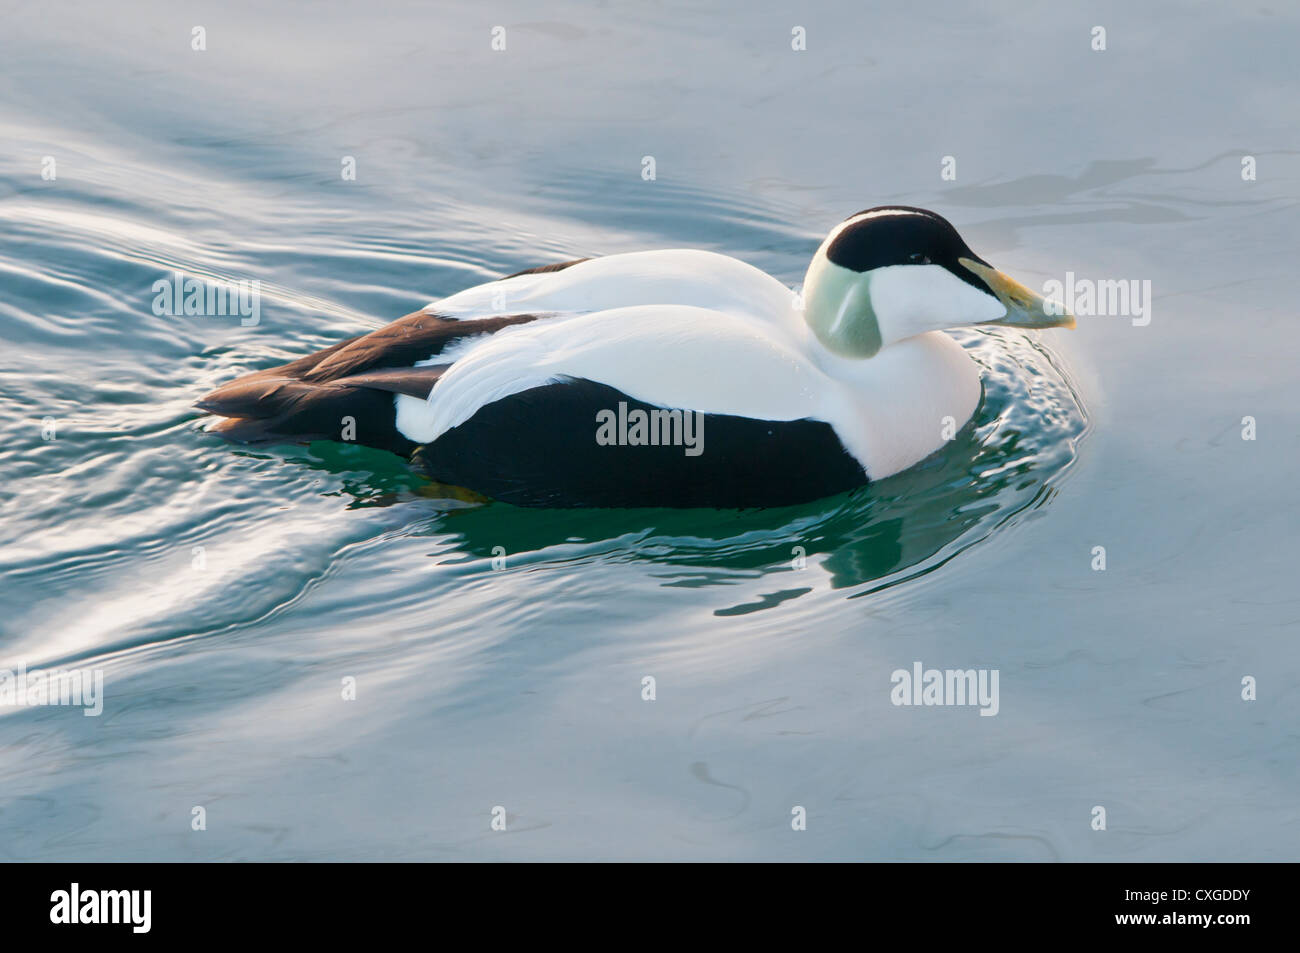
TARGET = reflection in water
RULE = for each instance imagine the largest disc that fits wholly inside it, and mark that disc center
(1002, 464)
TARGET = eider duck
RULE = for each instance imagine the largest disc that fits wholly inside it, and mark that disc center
(675, 378)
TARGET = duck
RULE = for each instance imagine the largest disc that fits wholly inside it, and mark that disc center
(668, 378)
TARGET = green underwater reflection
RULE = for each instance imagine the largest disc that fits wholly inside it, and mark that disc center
(1002, 465)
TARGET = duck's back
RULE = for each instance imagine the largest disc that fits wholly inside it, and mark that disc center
(681, 276)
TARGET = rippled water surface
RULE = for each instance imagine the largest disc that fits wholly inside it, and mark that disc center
(499, 654)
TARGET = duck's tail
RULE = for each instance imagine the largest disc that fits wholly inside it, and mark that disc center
(275, 406)
(345, 392)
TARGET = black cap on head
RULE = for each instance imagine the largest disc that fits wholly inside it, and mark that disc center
(901, 235)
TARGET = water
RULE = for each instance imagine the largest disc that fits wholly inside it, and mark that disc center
(226, 594)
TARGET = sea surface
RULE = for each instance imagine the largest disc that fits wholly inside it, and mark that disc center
(307, 655)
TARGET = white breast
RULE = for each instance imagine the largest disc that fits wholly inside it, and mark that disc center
(904, 403)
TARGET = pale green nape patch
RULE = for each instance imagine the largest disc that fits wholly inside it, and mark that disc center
(837, 306)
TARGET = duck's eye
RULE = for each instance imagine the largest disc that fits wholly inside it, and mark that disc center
(917, 258)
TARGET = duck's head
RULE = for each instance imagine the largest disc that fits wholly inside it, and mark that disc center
(892, 272)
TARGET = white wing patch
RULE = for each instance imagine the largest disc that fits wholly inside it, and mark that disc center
(665, 355)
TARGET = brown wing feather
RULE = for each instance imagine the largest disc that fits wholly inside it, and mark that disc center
(415, 337)
(306, 398)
